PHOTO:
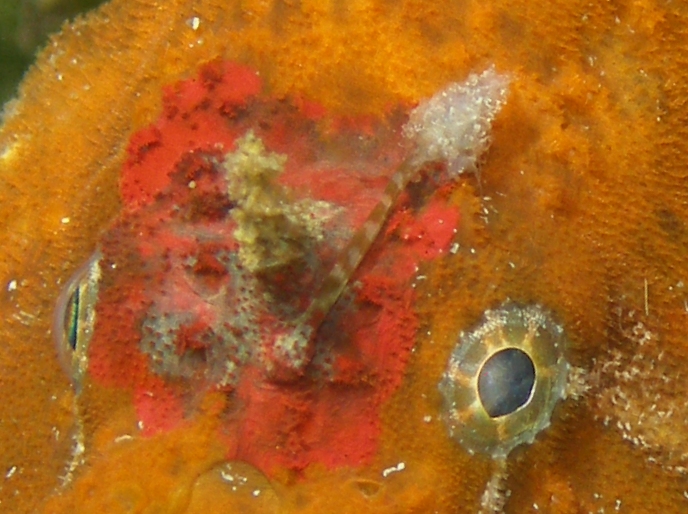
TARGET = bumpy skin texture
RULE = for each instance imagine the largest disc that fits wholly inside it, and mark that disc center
(586, 177)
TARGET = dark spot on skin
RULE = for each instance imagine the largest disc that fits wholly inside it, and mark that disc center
(674, 227)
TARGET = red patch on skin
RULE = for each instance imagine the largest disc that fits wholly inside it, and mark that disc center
(431, 233)
(335, 422)
(288, 427)
(193, 118)
(159, 407)
(176, 263)
(431, 230)
(208, 267)
(311, 110)
(114, 356)
(427, 234)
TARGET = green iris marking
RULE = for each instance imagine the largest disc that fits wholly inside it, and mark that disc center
(72, 318)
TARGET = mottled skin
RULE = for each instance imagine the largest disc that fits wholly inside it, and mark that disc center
(586, 177)
(216, 257)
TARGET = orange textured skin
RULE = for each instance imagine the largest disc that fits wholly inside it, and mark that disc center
(587, 215)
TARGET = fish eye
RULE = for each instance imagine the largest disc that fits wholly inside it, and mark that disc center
(74, 317)
(504, 379)
(505, 382)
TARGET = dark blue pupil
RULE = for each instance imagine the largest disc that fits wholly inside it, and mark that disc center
(506, 381)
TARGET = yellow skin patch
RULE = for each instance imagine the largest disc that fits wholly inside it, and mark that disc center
(586, 180)
(272, 230)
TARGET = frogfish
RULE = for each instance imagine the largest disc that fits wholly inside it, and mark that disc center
(348, 257)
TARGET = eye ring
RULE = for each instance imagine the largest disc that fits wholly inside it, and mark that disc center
(494, 414)
(75, 316)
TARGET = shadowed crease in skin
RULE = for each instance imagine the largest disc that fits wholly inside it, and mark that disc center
(580, 209)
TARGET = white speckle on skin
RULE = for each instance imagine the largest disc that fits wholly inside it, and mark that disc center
(194, 22)
(393, 469)
(11, 472)
(65, 220)
(12, 285)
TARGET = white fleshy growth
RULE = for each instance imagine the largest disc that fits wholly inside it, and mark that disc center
(454, 125)
(496, 494)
